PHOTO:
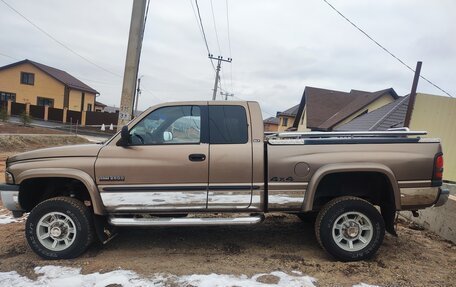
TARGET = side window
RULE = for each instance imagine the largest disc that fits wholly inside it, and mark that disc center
(227, 125)
(168, 125)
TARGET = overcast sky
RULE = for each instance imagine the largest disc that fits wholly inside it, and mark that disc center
(278, 47)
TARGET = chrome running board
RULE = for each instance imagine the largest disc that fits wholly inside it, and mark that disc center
(171, 221)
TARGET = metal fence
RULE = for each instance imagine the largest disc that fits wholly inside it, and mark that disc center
(97, 118)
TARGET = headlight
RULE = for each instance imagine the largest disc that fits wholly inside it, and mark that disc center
(9, 178)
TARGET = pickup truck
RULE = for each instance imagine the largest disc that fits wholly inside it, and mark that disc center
(178, 164)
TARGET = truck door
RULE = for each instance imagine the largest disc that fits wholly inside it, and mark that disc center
(163, 168)
(230, 157)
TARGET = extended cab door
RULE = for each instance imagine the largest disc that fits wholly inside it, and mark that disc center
(230, 156)
(163, 168)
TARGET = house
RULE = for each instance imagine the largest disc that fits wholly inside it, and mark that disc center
(271, 124)
(287, 118)
(325, 110)
(37, 84)
(99, 106)
(389, 116)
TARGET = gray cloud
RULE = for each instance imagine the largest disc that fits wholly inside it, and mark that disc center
(278, 47)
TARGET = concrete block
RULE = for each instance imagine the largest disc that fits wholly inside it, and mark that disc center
(441, 220)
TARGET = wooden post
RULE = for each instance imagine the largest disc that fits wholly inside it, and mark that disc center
(412, 97)
(46, 112)
(8, 108)
(65, 110)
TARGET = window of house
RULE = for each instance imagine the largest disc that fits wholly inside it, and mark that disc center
(284, 122)
(89, 107)
(4, 96)
(227, 125)
(27, 78)
(168, 125)
(40, 101)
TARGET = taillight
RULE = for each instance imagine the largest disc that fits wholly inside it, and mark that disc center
(438, 167)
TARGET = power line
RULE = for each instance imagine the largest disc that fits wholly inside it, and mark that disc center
(215, 28)
(229, 42)
(59, 42)
(8, 56)
(202, 30)
(383, 48)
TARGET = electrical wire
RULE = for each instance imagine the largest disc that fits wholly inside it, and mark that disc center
(383, 48)
(8, 56)
(215, 28)
(229, 42)
(202, 30)
(59, 42)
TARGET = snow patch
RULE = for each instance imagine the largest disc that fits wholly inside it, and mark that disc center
(57, 276)
(7, 217)
(71, 277)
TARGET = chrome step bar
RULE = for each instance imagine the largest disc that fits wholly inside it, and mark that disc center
(185, 221)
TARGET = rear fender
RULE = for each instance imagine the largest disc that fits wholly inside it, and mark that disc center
(349, 167)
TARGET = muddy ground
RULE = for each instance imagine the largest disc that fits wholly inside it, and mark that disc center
(282, 242)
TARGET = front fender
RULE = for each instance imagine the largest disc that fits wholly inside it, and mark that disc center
(349, 167)
(85, 178)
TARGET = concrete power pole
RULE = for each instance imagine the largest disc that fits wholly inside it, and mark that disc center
(219, 63)
(132, 62)
(226, 95)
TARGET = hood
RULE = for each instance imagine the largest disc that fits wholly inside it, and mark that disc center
(84, 150)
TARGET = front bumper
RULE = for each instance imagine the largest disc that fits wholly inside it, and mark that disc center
(442, 198)
(10, 198)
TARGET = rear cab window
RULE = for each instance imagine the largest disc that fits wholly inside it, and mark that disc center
(228, 125)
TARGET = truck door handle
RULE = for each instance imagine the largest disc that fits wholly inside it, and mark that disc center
(197, 157)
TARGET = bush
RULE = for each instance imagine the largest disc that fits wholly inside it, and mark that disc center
(3, 115)
(25, 119)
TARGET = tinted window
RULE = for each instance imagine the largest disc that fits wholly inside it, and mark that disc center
(168, 125)
(227, 125)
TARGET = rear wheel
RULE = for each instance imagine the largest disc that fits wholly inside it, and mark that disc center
(59, 228)
(350, 228)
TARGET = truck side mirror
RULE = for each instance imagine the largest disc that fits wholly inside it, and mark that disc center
(124, 136)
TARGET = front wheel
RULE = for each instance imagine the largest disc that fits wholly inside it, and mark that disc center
(59, 228)
(350, 228)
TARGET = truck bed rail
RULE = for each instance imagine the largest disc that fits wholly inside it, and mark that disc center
(295, 135)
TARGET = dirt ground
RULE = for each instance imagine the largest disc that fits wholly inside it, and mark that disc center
(281, 243)
(9, 128)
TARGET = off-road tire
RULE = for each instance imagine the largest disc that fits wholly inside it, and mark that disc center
(329, 214)
(79, 214)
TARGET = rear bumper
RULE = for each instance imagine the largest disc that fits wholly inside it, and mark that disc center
(442, 198)
(10, 198)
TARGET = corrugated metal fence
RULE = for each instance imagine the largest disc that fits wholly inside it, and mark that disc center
(437, 115)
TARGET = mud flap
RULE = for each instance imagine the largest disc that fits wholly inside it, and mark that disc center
(105, 232)
(389, 213)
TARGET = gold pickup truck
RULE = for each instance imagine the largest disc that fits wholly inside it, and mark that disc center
(179, 163)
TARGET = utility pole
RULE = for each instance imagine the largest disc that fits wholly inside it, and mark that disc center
(226, 95)
(138, 92)
(412, 97)
(132, 62)
(219, 63)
